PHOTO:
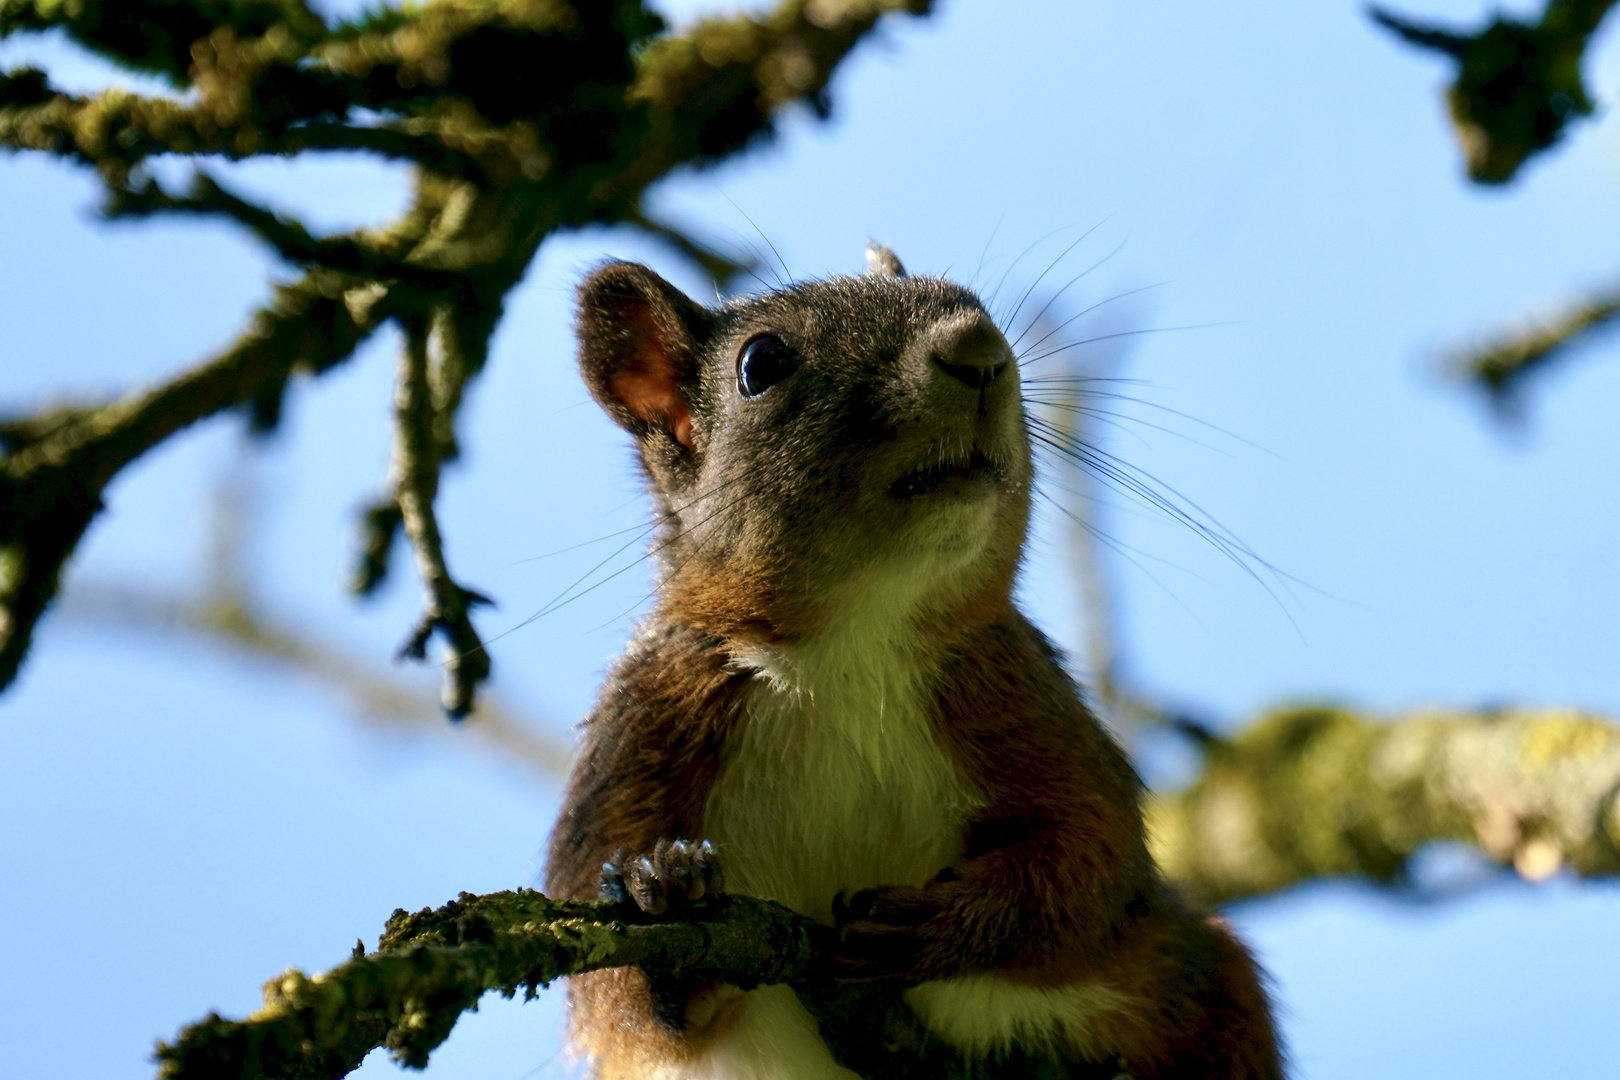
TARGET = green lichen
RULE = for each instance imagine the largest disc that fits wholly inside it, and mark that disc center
(1325, 792)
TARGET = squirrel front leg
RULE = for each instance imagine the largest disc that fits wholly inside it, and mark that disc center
(1055, 863)
(1042, 903)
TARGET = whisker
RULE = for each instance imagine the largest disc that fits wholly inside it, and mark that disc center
(1087, 310)
(759, 260)
(974, 280)
(1120, 420)
(1119, 334)
(563, 598)
(1129, 554)
(1164, 499)
(990, 301)
(1080, 381)
(786, 273)
(1052, 266)
(642, 527)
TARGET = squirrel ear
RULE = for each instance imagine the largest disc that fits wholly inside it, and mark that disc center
(639, 338)
(881, 262)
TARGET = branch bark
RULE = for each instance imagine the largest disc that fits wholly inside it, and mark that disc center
(416, 485)
(433, 966)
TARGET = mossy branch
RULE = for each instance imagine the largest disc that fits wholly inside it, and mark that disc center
(522, 118)
(1323, 792)
(1518, 84)
(433, 966)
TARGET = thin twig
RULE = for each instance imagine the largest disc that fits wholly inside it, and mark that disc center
(416, 486)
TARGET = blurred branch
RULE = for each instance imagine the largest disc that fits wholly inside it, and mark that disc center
(522, 119)
(224, 612)
(57, 464)
(288, 238)
(1501, 366)
(718, 265)
(1323, 792)
(1518, 84)
(229, 620)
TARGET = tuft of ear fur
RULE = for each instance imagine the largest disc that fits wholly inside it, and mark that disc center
(639, 338)
(881, 262)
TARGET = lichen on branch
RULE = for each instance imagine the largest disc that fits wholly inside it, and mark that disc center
(1324, 792)
(433, 966)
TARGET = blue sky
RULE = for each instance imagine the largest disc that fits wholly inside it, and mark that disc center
(183, 824)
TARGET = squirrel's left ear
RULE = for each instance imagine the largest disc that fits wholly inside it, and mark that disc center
(639, 338)
(882, 262)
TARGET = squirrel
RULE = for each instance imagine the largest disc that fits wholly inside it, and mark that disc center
(836, 702)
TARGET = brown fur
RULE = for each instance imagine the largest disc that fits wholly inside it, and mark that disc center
(764, 504)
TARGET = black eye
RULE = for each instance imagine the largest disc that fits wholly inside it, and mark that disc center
(763, 363)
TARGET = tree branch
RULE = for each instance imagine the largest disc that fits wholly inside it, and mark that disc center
(1501, 367)
(1518, 84)
(416, 486)
(289, 238)
(1323, 792)
(156, 37)
(432, 966)
(524, 118)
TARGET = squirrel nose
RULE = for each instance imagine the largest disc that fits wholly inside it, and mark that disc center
(971, 351)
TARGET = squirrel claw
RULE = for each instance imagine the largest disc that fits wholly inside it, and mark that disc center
(676, 874)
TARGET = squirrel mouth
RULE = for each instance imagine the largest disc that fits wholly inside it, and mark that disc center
(972, 476)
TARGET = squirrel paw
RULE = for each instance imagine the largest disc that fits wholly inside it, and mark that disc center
(676, 874)
(883, 934)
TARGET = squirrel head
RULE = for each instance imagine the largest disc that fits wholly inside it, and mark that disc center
(836, 442)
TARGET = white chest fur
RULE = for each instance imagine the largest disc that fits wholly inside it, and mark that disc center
(835, 782)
